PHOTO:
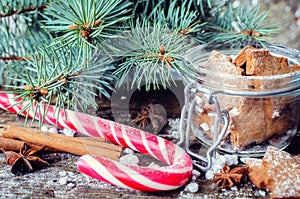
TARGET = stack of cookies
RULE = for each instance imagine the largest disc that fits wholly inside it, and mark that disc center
(253, 120)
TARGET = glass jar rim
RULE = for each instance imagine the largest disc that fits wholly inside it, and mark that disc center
(282, 84)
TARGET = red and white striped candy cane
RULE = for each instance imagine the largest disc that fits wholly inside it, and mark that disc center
(170, 177)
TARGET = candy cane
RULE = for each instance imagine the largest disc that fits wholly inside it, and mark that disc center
(174, 175)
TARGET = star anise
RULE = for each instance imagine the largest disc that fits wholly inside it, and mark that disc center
(230, 177)
(27, 160)
(149, 115)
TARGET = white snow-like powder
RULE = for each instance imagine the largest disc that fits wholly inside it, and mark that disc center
(152, 165)
(275, 114)
(205, 126)
(53, 130)
(196, 173)
(192, 187)
(219, 162)
(68, 132)
(173, 127)
(44, 128)
(63, 180)
(128, 151)
(129, 159)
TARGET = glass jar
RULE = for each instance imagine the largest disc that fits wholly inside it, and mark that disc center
(240, 115)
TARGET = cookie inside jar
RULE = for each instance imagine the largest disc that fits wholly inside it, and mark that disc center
(256, 120)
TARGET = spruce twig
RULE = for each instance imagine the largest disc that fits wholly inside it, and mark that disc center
(239, 26)
(150, 50)
(85, 22)
(65, 82)
(20, 33)
(178, 16)
(23, 10)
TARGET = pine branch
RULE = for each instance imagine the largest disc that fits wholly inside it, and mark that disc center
(20, 22)
(203, 6)
(86, 22)
(12, 58)
(23, 10)
(143, 8)
(152, 53)
(19, 36)
(65, 82)
(241, 26)
(179, 15)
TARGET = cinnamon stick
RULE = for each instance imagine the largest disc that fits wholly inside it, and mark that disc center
(8, 144)
(74, 145)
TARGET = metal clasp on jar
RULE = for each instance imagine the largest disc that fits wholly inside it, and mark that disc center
(221, 118)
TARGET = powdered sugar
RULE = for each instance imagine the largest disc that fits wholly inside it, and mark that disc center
(173, 127)
(282, 173)
(285, 171)
(129, 159)
(192, 187)
(219, 162)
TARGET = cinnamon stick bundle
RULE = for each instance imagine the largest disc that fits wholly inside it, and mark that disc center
(74, 145)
